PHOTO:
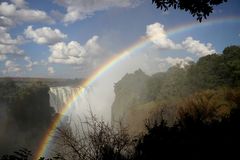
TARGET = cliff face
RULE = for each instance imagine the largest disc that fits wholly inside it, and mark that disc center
(139, 97)
(129, 92)
(25, 114)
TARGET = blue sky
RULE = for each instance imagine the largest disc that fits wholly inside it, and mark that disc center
(71, 38)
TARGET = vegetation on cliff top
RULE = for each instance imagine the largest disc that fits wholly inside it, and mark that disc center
(138, 92)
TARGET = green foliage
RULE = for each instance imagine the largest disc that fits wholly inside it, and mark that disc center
(217, 70)
(168, 86)
(232, 55)
(210, 72)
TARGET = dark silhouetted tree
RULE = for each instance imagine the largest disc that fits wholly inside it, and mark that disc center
(199, 132)
(199, 8)
(93, 139)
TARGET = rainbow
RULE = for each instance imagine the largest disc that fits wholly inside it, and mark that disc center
(134, 48)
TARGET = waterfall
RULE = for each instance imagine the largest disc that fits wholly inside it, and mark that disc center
(60, 95)
(95, 99)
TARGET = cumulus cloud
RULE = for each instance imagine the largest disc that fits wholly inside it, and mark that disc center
(29, 15)
(71, 53)
(163, 63)
(26, 65)
(81, 9)
(92, 46)
(51, 70)
(7, 9)
(10, 49)
(8, 44)
(5, 38)
(6, 22)
(198, 48)
(11, 66)
(19, 3)
(176, 60)
(156, 33)
(18, 12)
(158, 36)
(44, 35)
(74, 53)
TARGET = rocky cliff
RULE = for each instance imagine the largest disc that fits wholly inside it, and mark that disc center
(129, 92)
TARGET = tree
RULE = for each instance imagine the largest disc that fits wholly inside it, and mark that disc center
(201, 131)
(93, 139)
(199, 8)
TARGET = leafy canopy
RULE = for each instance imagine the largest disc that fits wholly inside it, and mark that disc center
(199, 8)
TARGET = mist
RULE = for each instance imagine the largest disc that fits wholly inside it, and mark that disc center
(99, 95)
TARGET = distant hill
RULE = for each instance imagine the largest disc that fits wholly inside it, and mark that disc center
(138, 95)
(51, 82)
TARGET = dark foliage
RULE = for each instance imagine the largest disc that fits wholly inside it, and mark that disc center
(191, 137)
(209, 72)
(25, 114)
(199, 8)
(216, 70)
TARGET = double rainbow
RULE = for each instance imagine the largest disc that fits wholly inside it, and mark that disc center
(134, 48)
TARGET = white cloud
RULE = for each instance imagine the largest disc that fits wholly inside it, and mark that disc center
(29, 15)
(5, 38)
(18, 12)
(81, 9)
(198, 48)
(51, 70)
(156, 33)
(180, 61)
(11, 66)
(75, 53)
(92, 45)
(6, 22)
(8, 44)
(19, 3)
(7, 9)
(10, 49)
(158, 36)
(71, 53)
(164, 63)
(44, 35)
